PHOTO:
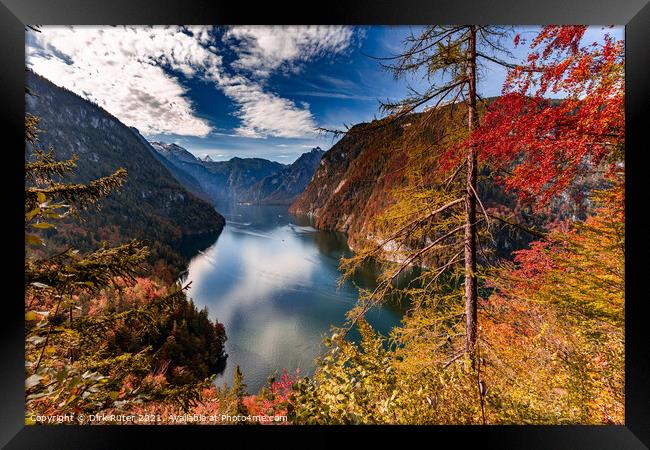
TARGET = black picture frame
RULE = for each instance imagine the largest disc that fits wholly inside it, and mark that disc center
(634, 14)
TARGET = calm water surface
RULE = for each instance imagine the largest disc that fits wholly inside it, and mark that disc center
(271, 279)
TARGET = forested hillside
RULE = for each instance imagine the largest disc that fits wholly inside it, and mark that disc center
(359, 177)
(184, 178)
(152, 205)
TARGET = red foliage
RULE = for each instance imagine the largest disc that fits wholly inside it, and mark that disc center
(275, 402)
(543, 146)
(131, 295)
(589, 248)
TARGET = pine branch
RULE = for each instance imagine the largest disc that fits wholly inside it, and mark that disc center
(411, 225)
(508, 65)
(46, 167)
(90, 272)
(82, 195)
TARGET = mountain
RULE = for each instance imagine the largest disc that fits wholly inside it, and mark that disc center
(173, 151)
(242, 173)
(206, 158)
(340, 196)
(152, 205)
(222, 182)
(185, 179)
(355, 178)
(282, 187)
(189, 170)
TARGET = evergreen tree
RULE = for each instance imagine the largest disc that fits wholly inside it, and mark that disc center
(239, 391)
(69, 365)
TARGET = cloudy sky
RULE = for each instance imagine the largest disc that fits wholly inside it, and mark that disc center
(236, 91)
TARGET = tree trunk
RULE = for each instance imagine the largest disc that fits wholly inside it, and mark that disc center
(471, 290)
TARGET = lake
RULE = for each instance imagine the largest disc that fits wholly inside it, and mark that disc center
(272, 280)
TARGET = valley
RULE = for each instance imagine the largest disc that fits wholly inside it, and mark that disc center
(240, 180)
(237, 221)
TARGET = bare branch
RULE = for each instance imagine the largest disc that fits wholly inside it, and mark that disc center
(510, 65)
(519, 226)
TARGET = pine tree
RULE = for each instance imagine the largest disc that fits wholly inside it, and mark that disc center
(449, 59)
(239, 391)
(68, 365)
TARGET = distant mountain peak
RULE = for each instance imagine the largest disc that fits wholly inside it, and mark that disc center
(315, 154)
(283, 187)
(173, 150)
(255, 180)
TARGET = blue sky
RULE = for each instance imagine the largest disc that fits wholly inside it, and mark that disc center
(239, 91)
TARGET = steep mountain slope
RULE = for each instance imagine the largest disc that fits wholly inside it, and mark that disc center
(356, 177)
(185, 179)
(151, 205)
(351, 183)
(242, 173)
(284, 186)
(222, 181)
(181, 163)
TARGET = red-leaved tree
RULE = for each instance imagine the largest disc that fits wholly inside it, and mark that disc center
(541, 146)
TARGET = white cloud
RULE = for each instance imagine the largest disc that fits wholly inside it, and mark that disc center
(134, 72)
(121, 69)
(263, 49)
(265, 114)
(339, 95)
(260, 51)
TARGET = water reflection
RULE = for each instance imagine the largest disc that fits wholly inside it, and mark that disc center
(271, 279)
